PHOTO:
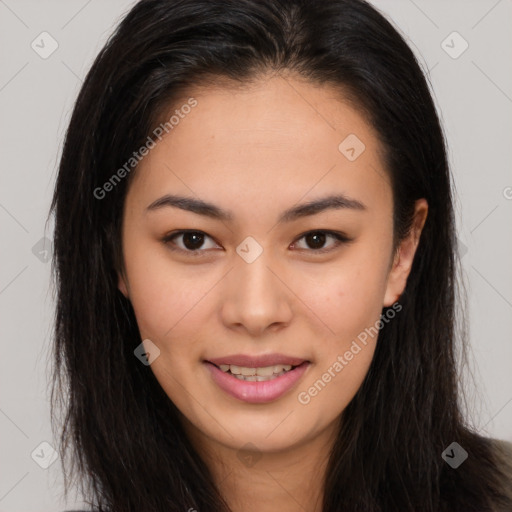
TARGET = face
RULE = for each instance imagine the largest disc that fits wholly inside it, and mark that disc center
(307, 284)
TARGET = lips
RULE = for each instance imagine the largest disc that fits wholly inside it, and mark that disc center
(257, 392)
(259, 361)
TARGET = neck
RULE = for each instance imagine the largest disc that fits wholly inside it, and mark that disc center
(250, 480)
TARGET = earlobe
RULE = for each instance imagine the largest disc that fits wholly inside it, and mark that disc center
(404, 256)
(121, 284)
(396, 283)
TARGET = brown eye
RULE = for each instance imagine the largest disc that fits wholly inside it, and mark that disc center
(192, 242)
(315, 240)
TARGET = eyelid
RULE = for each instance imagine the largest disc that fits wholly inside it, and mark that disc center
(340, 238)
(167, 240)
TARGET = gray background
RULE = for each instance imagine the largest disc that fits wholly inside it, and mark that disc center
(473, 93)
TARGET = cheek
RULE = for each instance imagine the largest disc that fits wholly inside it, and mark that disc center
(349, 303)
(163, 296)
(336, 381)
(347, 296)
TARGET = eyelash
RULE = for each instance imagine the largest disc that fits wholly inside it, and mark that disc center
(340, 239)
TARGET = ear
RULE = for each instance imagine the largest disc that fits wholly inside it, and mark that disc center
(122, 284)
(404, 256)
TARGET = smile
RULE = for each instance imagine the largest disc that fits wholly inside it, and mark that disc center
(256, 385)
(256, 374)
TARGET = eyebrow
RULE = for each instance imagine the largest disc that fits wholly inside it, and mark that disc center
(200, 207)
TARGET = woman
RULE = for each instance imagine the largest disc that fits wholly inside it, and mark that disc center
(256, 270)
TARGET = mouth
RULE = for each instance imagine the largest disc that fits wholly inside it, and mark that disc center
(257, 384)
(257, 374)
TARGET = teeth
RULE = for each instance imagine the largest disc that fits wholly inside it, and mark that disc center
(259, 378)
(235, 369)
(266, 372)
(254, 374)
(246, 372)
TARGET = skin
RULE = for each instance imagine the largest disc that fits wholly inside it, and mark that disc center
(258, 151)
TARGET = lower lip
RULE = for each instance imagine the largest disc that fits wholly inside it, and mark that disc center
(257, 392)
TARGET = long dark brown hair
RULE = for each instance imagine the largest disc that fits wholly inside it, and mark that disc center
(120, 435)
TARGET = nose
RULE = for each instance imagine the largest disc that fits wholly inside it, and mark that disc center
(256, 297)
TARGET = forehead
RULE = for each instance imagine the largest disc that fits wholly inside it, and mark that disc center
(278, 138)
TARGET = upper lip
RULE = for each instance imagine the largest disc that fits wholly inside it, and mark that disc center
(260, 361)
